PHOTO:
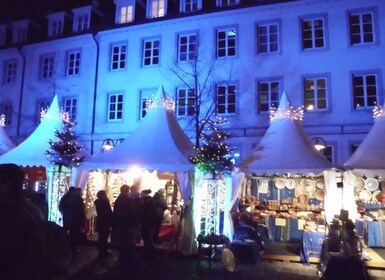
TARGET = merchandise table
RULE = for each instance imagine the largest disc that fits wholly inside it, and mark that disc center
(311, 245)
(372, 232)
(285, 232)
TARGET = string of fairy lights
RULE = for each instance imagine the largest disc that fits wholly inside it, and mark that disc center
(378, 112)
(287, 112)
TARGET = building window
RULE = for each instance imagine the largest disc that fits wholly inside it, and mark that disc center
(268, 38)
(55, 28)
(157, 8)
(313, 33)
(268, 94)
(226, 99)
(361, 28)
(328, 153)
(353, 148)
(185, 102)
(7, 112)
(151, 53)
(46, 66)
(70, 106)
(226, 42)
(315, 94)
(9, 72)
(82, 22)
(73, 63)
(364, 90)
(42, 106)
(225, 3)
(20, 35)
(115, 107)
(126, 14)
(188, 6)
(146, 97)
(118, 56)
(187, 47)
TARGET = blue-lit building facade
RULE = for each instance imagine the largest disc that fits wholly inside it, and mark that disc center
(104, 59)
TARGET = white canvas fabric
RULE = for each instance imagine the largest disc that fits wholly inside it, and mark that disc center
(31, 152)
(369, 158)
(158, 143)
(285, 148)
(5, 143)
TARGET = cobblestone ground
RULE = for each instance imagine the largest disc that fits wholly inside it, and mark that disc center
(173, 266)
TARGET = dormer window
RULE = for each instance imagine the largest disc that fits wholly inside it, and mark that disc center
(188, 6)
(124, 11)
(55, 24)
(156, 8)
(227, 3)
(82, 18)
(20, 31)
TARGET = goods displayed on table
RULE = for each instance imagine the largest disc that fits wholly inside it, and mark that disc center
(370, 198)
(287, 206)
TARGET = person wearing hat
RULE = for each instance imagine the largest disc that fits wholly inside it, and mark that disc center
(159, 205)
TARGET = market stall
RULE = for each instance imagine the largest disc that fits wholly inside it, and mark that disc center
(156, 152)
(285, 184)
(31, 155)
(366, 175)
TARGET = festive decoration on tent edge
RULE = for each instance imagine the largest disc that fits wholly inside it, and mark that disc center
(377, 112)
(288, 112)
(64, 150)
(2, 120)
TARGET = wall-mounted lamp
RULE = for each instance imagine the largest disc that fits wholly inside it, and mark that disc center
(319, 143)
(109, 144)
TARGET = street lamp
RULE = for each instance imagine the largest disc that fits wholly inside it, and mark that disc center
(319, 143)
(109, 144)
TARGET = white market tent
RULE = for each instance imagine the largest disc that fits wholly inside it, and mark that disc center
(369, 158)
(5, 143)
(285, 148)
(32, 151)
(160, 144)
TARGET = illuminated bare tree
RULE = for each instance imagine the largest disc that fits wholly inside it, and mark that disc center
(197, 75)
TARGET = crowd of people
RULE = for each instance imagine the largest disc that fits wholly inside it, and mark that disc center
(33, 248)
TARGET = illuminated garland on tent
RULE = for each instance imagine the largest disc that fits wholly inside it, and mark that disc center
(377, 112)
(288, 112)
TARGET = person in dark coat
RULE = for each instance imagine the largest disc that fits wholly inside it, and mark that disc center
(103, 221)
(71, 206)
(146, 228)
(159, 205)
(126, 222)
